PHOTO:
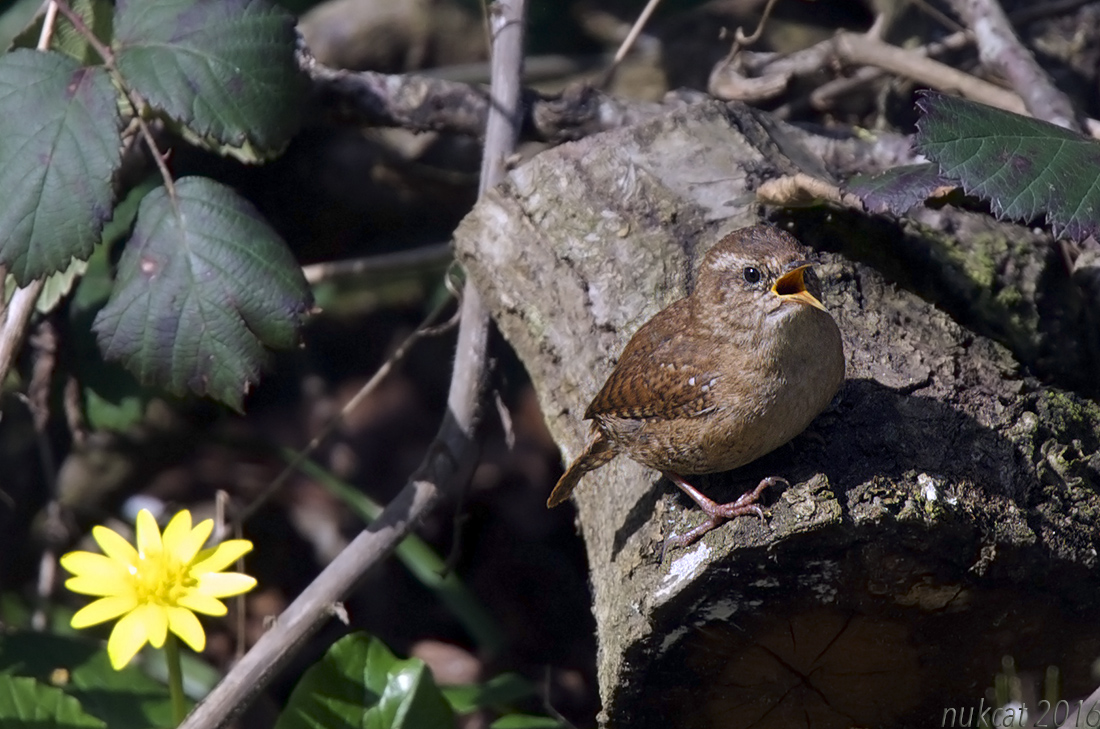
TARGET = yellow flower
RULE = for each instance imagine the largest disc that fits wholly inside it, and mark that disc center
(157, 587)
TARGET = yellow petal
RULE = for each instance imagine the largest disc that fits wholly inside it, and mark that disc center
(100, 586)
(114, 545)
(94, 566)
(178, 530)
(126, 640)
(148, 534)
(224, 584)
(184, 624)
(187, 547)
(221, 556)
(202, 604)
(156, 623)
(103, 610)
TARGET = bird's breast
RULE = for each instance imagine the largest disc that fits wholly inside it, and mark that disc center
(762, 402)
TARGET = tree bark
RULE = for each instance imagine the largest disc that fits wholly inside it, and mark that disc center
(942, 514)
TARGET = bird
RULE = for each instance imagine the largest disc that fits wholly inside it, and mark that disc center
(721, 377)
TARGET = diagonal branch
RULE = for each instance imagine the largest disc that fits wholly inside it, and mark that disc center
(1001, 50)
(449, 461)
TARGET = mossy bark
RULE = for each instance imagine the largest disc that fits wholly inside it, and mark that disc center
(941, 488)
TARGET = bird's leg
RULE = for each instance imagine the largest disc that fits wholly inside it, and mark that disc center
(718, 513)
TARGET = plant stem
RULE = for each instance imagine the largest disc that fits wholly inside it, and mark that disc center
(136, 102)
(82, 28)
(175, 678)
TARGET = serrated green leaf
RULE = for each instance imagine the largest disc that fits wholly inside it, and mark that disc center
(59, 150)
(28, 704)
(126, 698)
(898, 189)
(1024, 167)
(58, 286)
(225, 70)
(203, 285)
(113, 399)
(98, 15)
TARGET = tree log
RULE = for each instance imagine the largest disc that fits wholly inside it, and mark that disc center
(944, 513)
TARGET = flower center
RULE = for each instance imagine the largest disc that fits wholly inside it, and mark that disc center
(161, 580)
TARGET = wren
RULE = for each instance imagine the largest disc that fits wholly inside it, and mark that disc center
(721, 377)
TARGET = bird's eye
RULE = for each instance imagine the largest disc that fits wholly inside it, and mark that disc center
(752, 275)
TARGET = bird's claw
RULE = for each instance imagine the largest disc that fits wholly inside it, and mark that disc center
(718, 513)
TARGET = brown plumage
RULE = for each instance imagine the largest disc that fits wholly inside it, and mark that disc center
(721, 377)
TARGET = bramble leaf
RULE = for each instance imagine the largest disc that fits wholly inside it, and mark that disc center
(98, 16)
(204, 284)
(59, 151)
(1024, 167)
(898, 189)
(225, 71)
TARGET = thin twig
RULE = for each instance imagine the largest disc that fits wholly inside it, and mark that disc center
(1001, 49)
(365, 391)
(740, 40)
(858, 49)
(635, 31)
(138, 104)
(608, 73)
(449, 461)
(85, 32)
(14, 326)
(48, 22)
(385, 263)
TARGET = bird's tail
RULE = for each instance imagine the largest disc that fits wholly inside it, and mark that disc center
(598, 451)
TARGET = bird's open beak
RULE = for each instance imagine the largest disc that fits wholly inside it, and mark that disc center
(791, 286)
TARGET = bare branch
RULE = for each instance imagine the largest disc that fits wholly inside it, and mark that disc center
(424, 104)
(451, 457)
(383, 264)
(1002, 51)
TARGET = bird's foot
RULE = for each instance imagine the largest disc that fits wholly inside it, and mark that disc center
(718, 513)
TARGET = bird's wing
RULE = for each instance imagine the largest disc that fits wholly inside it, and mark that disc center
(661, 373)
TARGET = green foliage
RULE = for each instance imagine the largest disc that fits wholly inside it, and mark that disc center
(498, 693)
(28, 704)
(223, 70)
(59, 150)
(898, 189)
(1024, 167)
(113, 399)
(81, 669)
(204, 286)
(360, 683)
(98, 15)
(418, 557)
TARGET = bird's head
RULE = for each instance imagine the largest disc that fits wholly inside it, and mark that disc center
(757, 273)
